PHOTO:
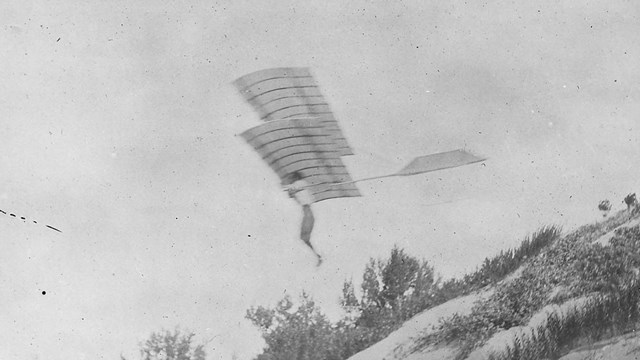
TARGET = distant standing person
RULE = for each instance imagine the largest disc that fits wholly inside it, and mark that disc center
(297, 188)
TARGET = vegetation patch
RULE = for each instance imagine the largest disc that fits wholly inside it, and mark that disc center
(608, 275)
(558, 270)
(392, 291)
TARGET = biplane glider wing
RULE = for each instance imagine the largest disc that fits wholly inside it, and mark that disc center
(286, 93)
(308, 147)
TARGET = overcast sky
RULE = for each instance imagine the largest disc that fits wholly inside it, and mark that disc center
(118, 126)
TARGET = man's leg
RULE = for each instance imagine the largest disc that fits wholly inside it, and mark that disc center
(307, 225)
(306, 228)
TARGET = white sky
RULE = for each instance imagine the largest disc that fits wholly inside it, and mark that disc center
(118, 124)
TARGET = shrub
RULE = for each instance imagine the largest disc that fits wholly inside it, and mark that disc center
(602, 316)
(631, 201)
(609, 276)
(605, 207)
(171, 345)
(498, 267)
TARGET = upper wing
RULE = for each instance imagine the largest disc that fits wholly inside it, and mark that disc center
(308, 147)
(285, 93)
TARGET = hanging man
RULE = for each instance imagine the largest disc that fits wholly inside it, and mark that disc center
(298, 190)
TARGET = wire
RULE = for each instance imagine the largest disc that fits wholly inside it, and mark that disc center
(24, 219)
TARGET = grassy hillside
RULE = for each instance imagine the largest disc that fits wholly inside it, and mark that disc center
(551, 294)
(582, 288)
(391, 291)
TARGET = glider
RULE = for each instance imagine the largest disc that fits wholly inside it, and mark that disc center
(301, 134)
(303, 144)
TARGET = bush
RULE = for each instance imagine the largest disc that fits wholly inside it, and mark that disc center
(602, 316)
(294, 333)
(631, 201)
(606, 269)
(171, 345)
(605, 207)
(497, 268)
(609, 275)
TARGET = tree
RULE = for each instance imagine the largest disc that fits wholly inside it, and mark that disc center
(393, 290)
(292, 332)
(391, 283)
(398, 276)
(605, 207)
(171, 345)
(350, 303)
